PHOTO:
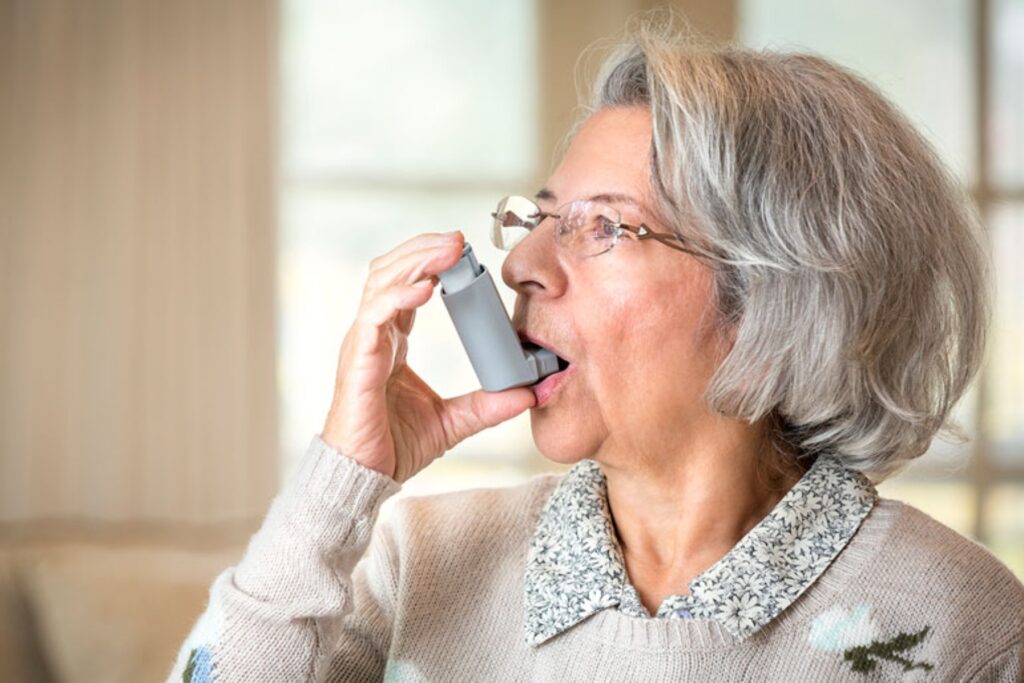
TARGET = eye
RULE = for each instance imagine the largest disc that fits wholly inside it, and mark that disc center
(605, 227)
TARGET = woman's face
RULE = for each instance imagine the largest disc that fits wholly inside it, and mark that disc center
(636, 322)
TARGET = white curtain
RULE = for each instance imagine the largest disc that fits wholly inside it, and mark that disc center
(137, 379)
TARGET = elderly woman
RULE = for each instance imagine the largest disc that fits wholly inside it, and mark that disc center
(770, 294)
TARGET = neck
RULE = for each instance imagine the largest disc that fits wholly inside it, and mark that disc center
(677, 511)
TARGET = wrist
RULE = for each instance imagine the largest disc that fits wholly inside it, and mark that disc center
(333, 441)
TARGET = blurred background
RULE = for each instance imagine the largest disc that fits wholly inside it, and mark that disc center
(190, 194)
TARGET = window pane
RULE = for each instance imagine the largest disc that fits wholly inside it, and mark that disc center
(409, 88)
(949, 457)
(1008, 92)
(398, 117)
(1006, 518)
(1005, 404)
(901, 47)
(327, 241)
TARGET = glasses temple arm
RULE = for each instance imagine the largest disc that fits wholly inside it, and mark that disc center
(668, 239)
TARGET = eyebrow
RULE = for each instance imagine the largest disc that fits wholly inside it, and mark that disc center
(608, 197)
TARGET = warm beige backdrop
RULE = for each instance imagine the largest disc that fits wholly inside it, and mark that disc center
(136, 261)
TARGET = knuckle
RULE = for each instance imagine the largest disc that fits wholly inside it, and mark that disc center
(452, 424)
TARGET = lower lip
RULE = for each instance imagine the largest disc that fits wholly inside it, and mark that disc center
(546, 388)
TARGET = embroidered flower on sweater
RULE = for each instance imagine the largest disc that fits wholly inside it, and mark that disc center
(402, 671)
(575, 566)
(855, 634)
(838, 629)
(199, 668)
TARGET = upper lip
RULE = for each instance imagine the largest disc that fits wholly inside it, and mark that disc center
(533, 339)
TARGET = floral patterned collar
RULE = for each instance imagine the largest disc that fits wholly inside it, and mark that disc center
(575, 566)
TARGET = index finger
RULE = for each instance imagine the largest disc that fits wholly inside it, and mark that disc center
(408, 269)
(426, 240)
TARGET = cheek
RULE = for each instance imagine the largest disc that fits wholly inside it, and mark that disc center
(642, 338)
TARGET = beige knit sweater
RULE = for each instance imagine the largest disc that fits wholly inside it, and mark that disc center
(439, 596)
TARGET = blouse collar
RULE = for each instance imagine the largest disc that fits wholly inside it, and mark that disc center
(575, 566)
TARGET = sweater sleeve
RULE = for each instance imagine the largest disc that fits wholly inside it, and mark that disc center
(297, 602)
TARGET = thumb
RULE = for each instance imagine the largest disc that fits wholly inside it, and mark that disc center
(473, 412)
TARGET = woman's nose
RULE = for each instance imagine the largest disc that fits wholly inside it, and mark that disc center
(534, 266)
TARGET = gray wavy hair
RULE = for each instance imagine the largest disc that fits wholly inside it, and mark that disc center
(850, 267)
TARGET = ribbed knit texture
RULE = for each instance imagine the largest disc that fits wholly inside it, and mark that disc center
(438, 595)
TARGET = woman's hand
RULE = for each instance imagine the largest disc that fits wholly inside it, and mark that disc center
(383, 415)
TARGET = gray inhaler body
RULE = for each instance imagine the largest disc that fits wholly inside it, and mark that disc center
(500, 360)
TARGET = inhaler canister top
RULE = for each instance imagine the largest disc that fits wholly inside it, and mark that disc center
(462, 274)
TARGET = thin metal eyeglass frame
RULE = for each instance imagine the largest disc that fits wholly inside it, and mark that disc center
(640, 232)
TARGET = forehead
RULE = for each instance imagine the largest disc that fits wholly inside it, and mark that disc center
(609, 155)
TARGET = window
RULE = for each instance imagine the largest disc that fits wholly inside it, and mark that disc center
(399, 117)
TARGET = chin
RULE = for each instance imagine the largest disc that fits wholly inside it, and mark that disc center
(559, 441)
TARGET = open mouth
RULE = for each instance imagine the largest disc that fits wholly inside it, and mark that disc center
(546, 388)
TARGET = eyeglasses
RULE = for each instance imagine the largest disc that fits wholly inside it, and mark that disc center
(584, 227)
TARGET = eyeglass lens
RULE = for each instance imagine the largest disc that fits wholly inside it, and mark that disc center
(585, 228)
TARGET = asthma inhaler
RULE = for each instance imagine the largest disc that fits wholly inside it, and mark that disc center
(499, 359)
